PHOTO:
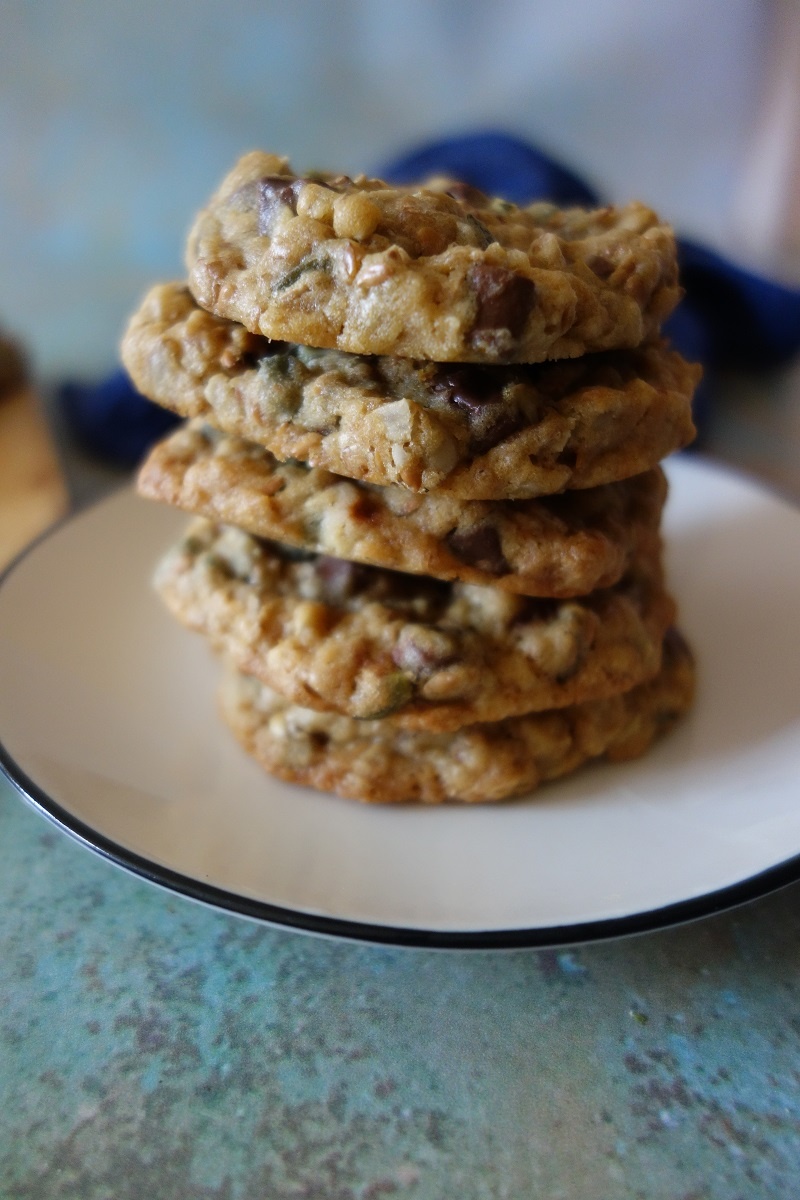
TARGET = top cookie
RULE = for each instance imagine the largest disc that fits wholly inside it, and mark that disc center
(440, 272)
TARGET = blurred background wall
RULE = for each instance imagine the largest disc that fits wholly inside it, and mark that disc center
(117, 120)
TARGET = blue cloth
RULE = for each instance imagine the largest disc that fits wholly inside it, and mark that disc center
(497, 164)
(112, 420)
(730, 317)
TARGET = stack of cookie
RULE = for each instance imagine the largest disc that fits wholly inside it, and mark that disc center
(422, 444)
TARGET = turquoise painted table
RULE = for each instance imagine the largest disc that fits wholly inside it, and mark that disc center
(150, 1047)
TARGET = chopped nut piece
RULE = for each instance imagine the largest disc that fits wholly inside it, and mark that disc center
(355, 216)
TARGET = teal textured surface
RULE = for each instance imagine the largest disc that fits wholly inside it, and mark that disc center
(152, 1046)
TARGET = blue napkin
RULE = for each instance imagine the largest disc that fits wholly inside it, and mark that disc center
(111, 420)
(729, 317)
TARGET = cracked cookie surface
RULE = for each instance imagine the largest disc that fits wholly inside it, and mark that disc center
(368, 642)
(474, 433)
(559, 546)
(376, 762)
(439, 271)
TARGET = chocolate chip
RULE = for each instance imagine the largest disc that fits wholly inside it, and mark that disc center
(468, 194)
(479, 547)
(478, 392)
(469, 388)
(503, 298)
(275, 191)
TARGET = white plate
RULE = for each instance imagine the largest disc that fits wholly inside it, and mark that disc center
(108, 725)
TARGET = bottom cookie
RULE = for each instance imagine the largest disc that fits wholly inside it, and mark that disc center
(376, 762)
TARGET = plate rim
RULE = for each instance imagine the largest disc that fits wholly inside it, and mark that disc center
(705, 904)
(772, 879)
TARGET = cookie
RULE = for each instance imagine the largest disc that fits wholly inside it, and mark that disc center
(376, 762)
(367, 642)
(440, 272)
(471, 432)
(556, 546)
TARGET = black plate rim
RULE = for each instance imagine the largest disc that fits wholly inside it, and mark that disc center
(532, 938)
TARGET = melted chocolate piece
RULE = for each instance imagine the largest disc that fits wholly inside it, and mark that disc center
(504, 298)
(478, 392)
(274, 191)
(479, 547)
(468, 194)
(421, 595)
(470, 388)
